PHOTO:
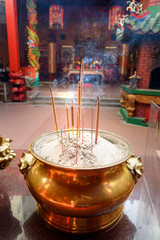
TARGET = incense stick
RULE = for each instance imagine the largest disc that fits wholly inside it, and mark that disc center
(77, 140)
(72, 117)
(64, 130)
(67, 114)
(92, 128)
(54, 110)
(97, 119)
(79, 102)
(81, 78)
(81, 83)
(62, 141)
(69, 136)
(82, 127)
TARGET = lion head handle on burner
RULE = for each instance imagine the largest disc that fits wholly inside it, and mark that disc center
(135, 165)
(26, 162)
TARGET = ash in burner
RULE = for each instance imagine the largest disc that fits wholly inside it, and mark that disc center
(71, 154)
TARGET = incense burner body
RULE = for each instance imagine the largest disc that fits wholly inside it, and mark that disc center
(78, 200)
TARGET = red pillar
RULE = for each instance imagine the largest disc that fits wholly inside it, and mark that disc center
(12, 34)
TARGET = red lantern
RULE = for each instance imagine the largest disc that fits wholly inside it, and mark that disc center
(56, 16)
(115, 13)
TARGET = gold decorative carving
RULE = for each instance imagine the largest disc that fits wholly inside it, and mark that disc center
(135, 165)
(122, 103)
(26, 162)
(128, 102)
(134, 76)
(147, 99)
(6, 153)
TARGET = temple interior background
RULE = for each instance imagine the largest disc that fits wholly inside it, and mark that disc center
(118, 43)
(113, 49)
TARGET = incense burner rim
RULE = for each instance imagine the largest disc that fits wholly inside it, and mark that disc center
(103, 167)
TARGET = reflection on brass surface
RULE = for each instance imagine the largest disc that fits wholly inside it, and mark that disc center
(6, 153)
(81, 200)
(80, 224)
(135, 165)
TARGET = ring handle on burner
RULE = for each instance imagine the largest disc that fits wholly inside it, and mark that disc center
(135, 165)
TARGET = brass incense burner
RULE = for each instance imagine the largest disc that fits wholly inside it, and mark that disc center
(6, 153)
(81, 200)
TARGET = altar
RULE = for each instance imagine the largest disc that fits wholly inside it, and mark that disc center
(71, 71)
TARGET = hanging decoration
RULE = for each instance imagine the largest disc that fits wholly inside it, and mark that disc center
(33, 40)
(56, 16)
(115, 13)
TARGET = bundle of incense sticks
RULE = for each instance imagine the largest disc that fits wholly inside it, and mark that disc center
(78, 118)
(72, 118)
